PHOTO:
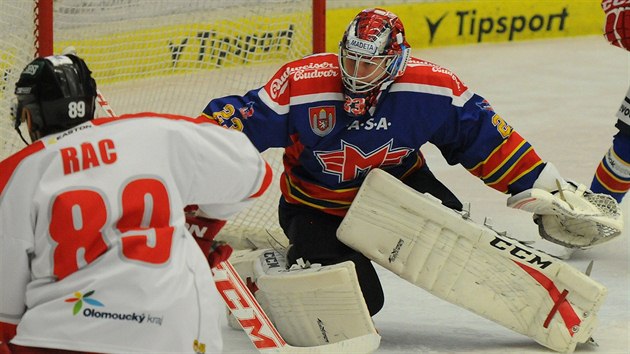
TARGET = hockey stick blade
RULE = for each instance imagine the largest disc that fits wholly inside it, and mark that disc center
(259, 328)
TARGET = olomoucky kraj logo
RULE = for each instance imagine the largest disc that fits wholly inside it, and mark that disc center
(79, 298)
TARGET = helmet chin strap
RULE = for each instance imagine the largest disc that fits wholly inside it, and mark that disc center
(21, 137)
(17, 125)
(27, 118)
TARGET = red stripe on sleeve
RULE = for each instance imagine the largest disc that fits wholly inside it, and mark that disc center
(266, 181)
(524, 165)
(498, 157)
(609, 181)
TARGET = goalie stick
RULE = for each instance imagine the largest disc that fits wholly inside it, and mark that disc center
(259, 328)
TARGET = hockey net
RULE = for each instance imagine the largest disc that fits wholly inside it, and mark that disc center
(163, 56)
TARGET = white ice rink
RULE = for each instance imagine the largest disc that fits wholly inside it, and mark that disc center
(562, 96)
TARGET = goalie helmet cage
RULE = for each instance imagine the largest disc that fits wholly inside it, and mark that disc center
(164, 56)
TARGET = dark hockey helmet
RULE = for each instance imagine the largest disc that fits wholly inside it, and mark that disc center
(375, 37)
(57, 91)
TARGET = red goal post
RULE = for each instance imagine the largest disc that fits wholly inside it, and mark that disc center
(166, 56)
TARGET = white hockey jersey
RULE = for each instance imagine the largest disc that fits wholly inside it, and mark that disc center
(94, 253)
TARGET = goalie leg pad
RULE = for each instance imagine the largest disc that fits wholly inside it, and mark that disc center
(452, 257)
(310, 307)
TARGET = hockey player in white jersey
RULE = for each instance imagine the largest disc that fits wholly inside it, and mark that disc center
(94, 252)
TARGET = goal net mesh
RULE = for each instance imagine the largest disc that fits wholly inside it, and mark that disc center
(165, 56)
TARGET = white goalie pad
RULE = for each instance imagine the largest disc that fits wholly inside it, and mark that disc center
(470, 265)
(310, 307)
(573, 217)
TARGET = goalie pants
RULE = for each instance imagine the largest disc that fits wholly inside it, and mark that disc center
(313, 236)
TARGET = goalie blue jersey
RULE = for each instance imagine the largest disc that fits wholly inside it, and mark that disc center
(328, 152)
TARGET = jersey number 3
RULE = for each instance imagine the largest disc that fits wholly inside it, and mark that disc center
(79, 216)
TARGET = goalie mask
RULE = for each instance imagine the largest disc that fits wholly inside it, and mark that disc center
(372, 53)
(57, 93)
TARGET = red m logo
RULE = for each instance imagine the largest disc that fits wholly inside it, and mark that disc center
(350, 161)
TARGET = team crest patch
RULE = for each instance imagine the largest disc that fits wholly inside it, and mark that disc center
(322, 119)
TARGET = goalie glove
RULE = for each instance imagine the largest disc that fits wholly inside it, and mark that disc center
(570, 215)
(204, 230)
(617, 22)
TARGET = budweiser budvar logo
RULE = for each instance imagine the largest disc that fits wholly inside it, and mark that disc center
(280, 84)
(309, 71)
